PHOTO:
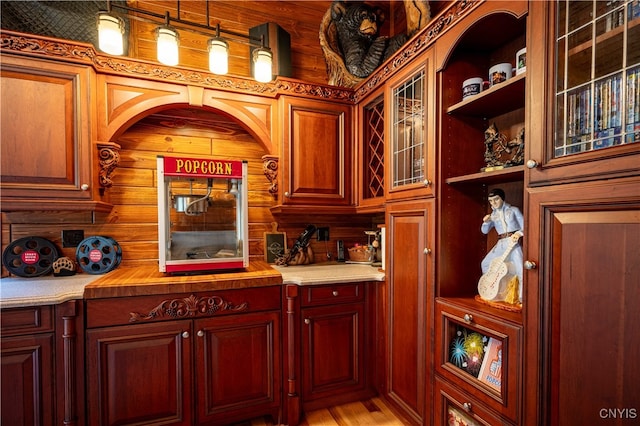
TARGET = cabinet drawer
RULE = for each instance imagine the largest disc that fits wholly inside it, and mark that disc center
(144, 309)
(34, 319)
(479, 353)
(454, 407)
(330, 294)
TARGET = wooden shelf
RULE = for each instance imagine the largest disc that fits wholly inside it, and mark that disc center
(496, 100)
(507, 174)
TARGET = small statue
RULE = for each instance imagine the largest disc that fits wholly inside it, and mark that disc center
(350, 40)
(502, 267)
(499, 152)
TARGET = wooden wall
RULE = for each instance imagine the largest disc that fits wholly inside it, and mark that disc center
(133, 221)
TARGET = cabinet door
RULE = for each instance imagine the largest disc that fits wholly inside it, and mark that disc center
(46, 135)
(410, 282)
(371, 152)
(585, 66)
(27, 377)
(238, 367)
(140, 374)
(583, 321)
(316, 164)
(410, 102)
(332, 350)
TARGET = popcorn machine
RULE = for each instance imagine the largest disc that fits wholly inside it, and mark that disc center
(202, 214)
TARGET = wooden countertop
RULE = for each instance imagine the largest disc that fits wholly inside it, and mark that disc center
(147, 280)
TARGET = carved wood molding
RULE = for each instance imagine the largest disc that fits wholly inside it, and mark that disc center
(417, 45)
(39, 46)
(270, 169)
(108, 158)
(188, 307)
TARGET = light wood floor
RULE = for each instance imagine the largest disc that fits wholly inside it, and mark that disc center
(372, 412)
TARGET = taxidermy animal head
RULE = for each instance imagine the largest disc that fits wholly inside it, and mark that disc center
(349, 36)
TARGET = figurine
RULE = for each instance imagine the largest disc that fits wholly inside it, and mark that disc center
(499, 152)
(503, 265)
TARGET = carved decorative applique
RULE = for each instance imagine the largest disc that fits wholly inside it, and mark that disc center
(188, 307)
(270, 169)
(109, 158)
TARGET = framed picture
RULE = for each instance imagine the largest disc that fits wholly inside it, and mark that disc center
(275, 244)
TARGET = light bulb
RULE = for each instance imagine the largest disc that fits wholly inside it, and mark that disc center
(110, 31)
(262, 65)
(167, 40)
(218, 55)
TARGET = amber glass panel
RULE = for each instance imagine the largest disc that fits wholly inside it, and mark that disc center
(408, 131)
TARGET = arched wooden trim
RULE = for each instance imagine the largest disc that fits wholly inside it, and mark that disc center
(127, 101)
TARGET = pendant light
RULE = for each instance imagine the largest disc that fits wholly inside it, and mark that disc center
(262, 61)
(110, 31)
(167, 44)
(218, 54)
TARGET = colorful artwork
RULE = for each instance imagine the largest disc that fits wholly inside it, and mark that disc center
(467, 351)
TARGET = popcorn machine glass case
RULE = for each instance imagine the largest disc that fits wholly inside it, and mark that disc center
(202, 214)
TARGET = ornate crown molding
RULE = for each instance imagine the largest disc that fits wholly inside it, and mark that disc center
(38, 46)
(188, 307)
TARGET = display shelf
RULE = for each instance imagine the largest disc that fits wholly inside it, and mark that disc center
(496, 100)
(508, 174)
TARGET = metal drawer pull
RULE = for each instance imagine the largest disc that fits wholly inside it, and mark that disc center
(530, 265)
(467, 407)
(307, 321)
(468, 318)
(335, 292)
(185, 334)
(200, 333)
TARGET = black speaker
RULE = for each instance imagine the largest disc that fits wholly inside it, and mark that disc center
(279, 41)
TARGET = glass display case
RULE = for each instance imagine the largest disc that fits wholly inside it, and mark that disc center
(202, 214)
(598, 68)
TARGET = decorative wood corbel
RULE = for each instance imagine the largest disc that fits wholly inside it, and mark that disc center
(270, 169)
(108, 158)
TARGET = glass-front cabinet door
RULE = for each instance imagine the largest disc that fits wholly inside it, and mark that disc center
(595, 89)
(411, 129)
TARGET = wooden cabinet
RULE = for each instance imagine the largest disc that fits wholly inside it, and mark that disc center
(42, 380)
(336, 343)
(49, 161)
(582, 214)
(410, 283)
(480, 354)
(584, 72)
(586, 291)
(316, 156)
(410, 151)
(481, 149)
(372, 128)
(330, 344)
(215, 361)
